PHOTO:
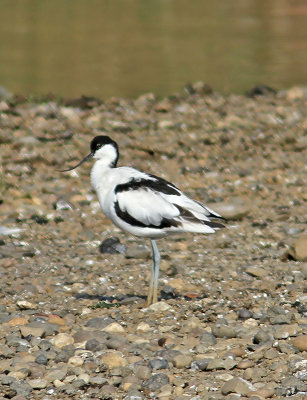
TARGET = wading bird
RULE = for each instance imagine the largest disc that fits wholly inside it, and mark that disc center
(144, 204)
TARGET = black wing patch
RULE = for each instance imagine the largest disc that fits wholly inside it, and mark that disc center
(157, 184)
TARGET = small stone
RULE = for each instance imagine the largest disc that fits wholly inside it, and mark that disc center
(76, 361)
(262, 336)
(97, 380)
(94, 345)
(138, 252)
(224, 331)
(38, 383)
(298, 250)
(55, 374)
(300, 343)
(99, 323)
(244, 364)
(255, 271)
(112, 245)
(113, 360)
(58, 384)
(158, 363)
(33, 331)
(207, 339)
(235, 210)
(143, 327)
(237, 385)
(41, 359)
(200, 364)
(62, 339)
(161, 306)
(129, 381)
(142, 372)
(217, 363)
(114, 327)
(16, 321)
(156, 382)
(265, 392)
(244, 314)
(182, 361)
(26, 305)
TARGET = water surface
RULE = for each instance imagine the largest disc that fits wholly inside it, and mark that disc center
(125, 48)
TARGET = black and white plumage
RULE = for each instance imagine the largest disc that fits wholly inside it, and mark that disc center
(144, 204)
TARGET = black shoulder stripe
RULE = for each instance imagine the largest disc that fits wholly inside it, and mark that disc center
(156, 184)
(129, 219)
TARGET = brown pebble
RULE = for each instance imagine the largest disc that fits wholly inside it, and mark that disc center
(300, 343)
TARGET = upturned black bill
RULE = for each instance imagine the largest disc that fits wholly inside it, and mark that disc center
(81, 162)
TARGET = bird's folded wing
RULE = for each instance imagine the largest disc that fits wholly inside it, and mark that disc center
(146, 206)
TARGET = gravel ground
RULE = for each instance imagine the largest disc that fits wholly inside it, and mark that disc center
(232, 320)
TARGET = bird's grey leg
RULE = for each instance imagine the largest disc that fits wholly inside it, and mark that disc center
(153, 283)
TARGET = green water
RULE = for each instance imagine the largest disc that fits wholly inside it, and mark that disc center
(129, 47)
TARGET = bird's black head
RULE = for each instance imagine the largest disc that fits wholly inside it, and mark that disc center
(100, 141)
(96, 144)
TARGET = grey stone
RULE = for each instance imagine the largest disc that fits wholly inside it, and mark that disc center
(41, 359)
(244, 313)
(15, 341)
(217, 363)
(262, 336)
(99, 323)
(168, 354)
(237, 385)
(200, 364)
(138, 252)
(207, 339)
(22, 388)
(94, 345)
(156, 382)
(158, 363)
(112, 245)
(97, 380)
(224, 331)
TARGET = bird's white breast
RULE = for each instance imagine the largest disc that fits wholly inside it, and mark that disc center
(104, 181)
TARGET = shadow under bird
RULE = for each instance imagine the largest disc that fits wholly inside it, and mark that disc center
(144, 204)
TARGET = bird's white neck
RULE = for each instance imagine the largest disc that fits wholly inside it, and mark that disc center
(106, 159)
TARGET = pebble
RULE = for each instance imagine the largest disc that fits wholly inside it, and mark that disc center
(262, 336)
(159, 363)
(114, 327)
(298, 249)
(38, 383)
(55, 375)
(300, 342)
(182, 361)
(26, 305)
(255, 271)
(112, 245)
(224, 331)
(160, 306)
(113, 360)
(237, 385)
(236, 210)
(62, 339)
(99, 323)
(138, 252)
(143, 327)
(76, 361)
(32, 330)
(156, 382)
(217, 363)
